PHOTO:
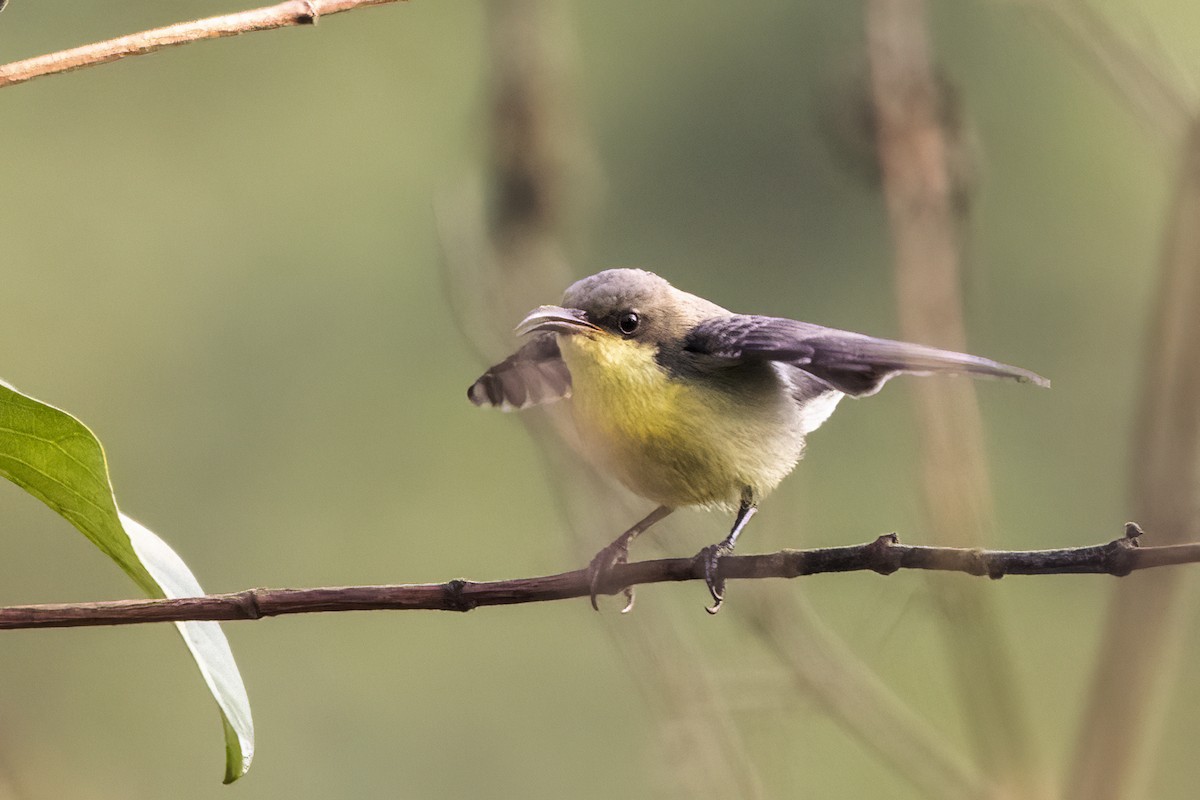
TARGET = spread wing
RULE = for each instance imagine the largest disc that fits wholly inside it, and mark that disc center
(533, 375)
(849, 362)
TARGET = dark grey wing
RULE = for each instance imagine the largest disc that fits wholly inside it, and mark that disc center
(849, 362)
(533, 375)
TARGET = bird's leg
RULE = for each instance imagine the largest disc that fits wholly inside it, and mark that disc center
(618, 553)
(712, 554)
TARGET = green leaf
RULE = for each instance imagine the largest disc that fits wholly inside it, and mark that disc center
(54, 457)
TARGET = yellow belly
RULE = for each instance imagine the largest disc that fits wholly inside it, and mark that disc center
(674, 441)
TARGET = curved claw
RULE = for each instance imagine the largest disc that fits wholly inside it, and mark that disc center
(629, 599)
(716, 585)
(594, 586)
(600, 567)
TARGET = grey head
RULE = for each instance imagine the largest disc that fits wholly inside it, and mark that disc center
(636, 304)
(628, 304)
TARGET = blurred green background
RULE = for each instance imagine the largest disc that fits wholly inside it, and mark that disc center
(224, 259)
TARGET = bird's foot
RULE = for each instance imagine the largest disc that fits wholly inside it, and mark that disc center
(711, 557)
(600, 569)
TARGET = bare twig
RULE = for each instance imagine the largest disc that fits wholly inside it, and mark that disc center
(283, 15)
(885, 555)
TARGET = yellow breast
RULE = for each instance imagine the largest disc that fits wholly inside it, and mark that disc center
(676, 441)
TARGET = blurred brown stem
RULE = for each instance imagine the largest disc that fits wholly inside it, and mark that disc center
(282, 15)
(885, 555)
(1135, 657)
(507, 240)
(854, 696)
(1142, 633)
(917, 188)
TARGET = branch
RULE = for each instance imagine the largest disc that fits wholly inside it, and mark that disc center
(283, 15)
(885, 555)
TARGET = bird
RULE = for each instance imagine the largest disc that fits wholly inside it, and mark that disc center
(688, 404)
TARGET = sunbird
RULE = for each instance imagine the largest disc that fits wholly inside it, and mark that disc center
(690, 405)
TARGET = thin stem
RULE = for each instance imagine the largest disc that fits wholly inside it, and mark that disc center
(885, 555)
(283, 15)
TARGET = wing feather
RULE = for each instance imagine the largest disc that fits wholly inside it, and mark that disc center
(849, 362)
(533, 375)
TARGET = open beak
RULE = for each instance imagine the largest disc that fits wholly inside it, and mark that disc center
(555, 319)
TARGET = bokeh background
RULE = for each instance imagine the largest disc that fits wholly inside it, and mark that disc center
(230, 260)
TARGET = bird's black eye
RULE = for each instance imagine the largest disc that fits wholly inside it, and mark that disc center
(628, 322)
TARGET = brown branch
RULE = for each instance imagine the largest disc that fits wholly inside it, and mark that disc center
(283, 15)
(885, 555)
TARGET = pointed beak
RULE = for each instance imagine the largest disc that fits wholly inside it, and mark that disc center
(555, 319)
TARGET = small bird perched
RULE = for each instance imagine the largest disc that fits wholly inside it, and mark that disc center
(688, 404)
